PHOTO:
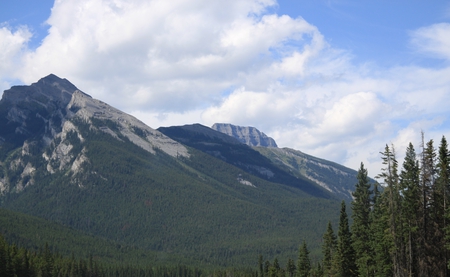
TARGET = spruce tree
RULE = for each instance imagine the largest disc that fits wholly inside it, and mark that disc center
(291, 268)
(390, 178)
(426, 227)
(361, 206)
(304, 263)
(440, 203)
(261, 266)
(344, 259)
(328, 249)
(410, 189)
(381, 240)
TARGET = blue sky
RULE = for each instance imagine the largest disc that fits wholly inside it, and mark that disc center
(335, 79)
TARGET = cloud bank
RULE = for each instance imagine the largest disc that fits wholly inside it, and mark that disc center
(180, 62)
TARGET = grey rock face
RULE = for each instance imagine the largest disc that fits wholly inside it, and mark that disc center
(248, 135)
(40, 119)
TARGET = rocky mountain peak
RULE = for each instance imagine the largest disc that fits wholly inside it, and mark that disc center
(50, 90)
(248, 135)
(46, 117)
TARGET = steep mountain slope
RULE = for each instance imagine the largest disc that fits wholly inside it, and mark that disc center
(74, 160)
(239, 154)
(337, 179)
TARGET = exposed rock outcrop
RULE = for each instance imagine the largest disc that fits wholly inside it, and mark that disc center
(248, 135)
(41, 119)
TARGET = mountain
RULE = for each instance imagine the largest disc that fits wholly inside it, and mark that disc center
(192, 192)
(248, 135)
(335, 178)
(238, 154)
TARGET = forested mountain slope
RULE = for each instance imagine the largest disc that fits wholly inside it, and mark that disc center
(79, 162)
(240, 155)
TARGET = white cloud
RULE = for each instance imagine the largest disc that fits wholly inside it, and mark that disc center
(186, 50)
(12, 45)
(180, 62)
(352, 115)
(433, 40)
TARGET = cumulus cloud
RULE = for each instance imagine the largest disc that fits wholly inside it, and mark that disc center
(200, 61)
(179, 54)
(13, 43)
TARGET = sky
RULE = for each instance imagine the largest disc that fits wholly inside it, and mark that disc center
(336, 79)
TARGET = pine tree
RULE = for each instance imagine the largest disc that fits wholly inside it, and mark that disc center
(426, 226)
(291, 268)
(317, 271)
(261, 266)
(440, 203)
(328, 249)
(266, 268)
(390, 177)
(274, 269)
(304, 263)
(344, 259)
(361, 206)
(46, 267)
(381, 240)
(410, 189)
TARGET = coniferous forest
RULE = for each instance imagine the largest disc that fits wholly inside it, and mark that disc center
(398, 227)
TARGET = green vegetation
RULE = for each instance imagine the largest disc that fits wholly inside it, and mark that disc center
(193, 208)
(243, 157)
(297, 163)
(19, 261)
(403, 231)
(34, 233)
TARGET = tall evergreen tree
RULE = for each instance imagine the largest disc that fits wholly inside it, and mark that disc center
(361, 206)
(426, 226)
(381, 240)
(290, 268)
(390, 178)
(275, 269)
(344, 259)
(261, 266)
(304, 263)
(440, 203)
(328, 249)
(410, 189)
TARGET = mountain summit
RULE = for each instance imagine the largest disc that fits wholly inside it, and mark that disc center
(44, 115)
(248, 135)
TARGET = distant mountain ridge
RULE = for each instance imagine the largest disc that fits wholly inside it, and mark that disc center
(331, 176)
(245, 157)
(248, 135)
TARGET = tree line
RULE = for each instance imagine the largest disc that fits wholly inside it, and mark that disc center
(400, 229)
(20, 262)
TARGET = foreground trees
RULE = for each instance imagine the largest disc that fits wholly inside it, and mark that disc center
(404, 230)
(401, 229)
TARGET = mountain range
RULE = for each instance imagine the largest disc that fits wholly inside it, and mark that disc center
(214, 196)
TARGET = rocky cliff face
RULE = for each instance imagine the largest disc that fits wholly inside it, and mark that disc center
(40, 119)
(248, 135)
